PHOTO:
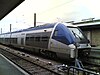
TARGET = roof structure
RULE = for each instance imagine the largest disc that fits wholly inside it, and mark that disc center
(87, 23)
(6, 6)
(92, 24)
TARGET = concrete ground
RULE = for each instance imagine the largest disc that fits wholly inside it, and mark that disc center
(8, 68)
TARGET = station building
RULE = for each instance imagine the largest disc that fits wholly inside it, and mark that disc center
(91, 28)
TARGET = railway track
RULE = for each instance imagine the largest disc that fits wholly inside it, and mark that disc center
(38, 66)
(34, 66)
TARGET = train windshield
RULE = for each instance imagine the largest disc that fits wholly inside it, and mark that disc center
(78, 34)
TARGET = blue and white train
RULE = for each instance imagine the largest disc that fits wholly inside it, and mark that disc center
(51, 39)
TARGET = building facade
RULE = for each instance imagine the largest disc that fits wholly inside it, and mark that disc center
(91, 30)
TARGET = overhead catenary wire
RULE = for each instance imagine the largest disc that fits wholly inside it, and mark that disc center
(56, 7)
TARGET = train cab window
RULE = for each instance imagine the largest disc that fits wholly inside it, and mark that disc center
(55, 32)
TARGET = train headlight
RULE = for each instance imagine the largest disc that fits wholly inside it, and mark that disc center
(72, 46)
(72, 53)
(72, 50)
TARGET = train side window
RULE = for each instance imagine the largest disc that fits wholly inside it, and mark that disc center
(55, 32)
(27, 38)
(37, 38)
(31, 38)
(45, 38)
(14, 40)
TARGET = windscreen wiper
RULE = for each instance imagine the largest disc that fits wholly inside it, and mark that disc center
(76, 35)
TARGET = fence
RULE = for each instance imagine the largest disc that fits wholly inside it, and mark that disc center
(79, 71)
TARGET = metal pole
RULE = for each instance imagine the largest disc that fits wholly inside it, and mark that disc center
(76, 50)
(76, 55)
(34, 19)
(1, 30)
(10, 33)
(78, 63)
(10, 28)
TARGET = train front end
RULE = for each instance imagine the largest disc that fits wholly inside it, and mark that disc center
(82, 43)
(64, 40)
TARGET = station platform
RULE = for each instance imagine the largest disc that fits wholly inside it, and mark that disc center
(9, 68)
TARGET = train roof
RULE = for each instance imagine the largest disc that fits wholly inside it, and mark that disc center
(44, 26)
(48, 25)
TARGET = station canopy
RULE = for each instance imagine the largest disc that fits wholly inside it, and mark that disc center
(6, 6)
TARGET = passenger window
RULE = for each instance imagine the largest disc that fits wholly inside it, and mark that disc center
(31, 38)
(45, 38)
(37, 38)
(27, 38)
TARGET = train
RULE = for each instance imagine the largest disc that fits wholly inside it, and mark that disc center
(50, 39)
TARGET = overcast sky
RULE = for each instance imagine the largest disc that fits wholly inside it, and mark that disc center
(50, 11)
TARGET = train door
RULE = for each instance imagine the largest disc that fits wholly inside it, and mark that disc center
(22, 41)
